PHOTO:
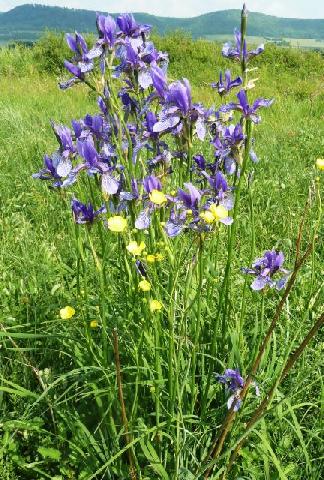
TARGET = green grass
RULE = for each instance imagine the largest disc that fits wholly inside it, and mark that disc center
(37, 278)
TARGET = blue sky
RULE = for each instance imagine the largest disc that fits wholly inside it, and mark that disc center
(187, 8)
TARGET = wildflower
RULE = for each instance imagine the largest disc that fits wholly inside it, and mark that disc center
(144, 285)
(150, 258)
(248, 111)
(320, 163)
(234, 384)
(159, 80)
(106, 26)
(85, 213)
(51, 170)
(265, 268)
(93, 324)
(117, 224)
(128, 26)
(135, 248)
(155, 306)
(216, 213)
(159, 257)
(234, 52)
(227, 85)
(191, 199)
(67, 312)
(157, 197)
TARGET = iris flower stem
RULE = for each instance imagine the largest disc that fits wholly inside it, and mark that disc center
(198, 324)
(103, 293)
(233, 231)
(157, 346)
(252, 250)
(224, 291)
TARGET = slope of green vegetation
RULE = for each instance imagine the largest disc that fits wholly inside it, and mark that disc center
(27, 22)
(37, 270)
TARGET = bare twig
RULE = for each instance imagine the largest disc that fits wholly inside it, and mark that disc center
(267, 399)
(128, 436)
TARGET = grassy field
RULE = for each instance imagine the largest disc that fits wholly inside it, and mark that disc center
(293, 42)
(38, 277)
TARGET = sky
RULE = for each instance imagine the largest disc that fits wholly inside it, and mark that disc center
(187, 8)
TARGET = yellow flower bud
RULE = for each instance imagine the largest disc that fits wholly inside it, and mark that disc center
(93, 324)
(150, 258)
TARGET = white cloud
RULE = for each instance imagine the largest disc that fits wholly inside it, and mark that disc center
(188, 8)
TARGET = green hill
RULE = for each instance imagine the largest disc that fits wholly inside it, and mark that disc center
(27, 22)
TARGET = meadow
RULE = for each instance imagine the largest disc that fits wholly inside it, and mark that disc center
(59, 395)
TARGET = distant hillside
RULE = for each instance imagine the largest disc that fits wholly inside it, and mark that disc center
(27, 22)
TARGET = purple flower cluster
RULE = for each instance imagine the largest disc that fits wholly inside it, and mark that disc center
(235, 52)
(265, 268)
(127, 147)
(234, 384)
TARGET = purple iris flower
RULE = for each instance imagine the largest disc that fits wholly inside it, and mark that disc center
(64, 137)
(179, 94)
(78, 75)
(107, 27)
(200, 161)
(85, 213)
(178, 106)
(49, 172)
(223, 87)
(191, 198)
(78, 45)
(227, 143)
(248, 111)
(136, 55)
(159, 80)
(92, 162)
(150, 121)
(129, 27)
(265, 268)
(83, 60)
(234, 52)
(143, 220)
(176, 222)
(234, 384)
(151, 183)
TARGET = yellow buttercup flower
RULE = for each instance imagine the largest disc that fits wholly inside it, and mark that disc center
(159, 257)
(207, 216)
(67, 312)
(214, 213)
(320, 163)
(93, 324)
(144, 285)
(150, 258)
(135, 248)
(155, 306)
(117, 223)
(157, 197)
